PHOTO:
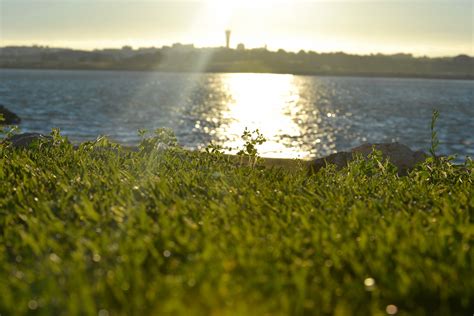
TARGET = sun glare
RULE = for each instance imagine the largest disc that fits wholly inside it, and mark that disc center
(223, 11)
(240, 3)
(263, 102)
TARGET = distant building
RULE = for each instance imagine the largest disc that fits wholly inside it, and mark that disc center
(241, 46)
(227, 38)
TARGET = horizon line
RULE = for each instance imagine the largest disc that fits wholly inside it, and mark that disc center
(135, 48)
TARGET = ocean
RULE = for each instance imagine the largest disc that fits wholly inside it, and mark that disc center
(301, 116)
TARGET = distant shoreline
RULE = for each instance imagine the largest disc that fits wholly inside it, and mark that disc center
(296, 73)
(181, 58)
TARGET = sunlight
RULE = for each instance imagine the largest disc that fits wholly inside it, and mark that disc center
(223, 12)
(241, 3)
(263, 102)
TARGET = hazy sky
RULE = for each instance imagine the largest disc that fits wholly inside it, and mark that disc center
(422, 27)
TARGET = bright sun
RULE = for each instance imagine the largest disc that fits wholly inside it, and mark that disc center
(223, 12)
(242, 2)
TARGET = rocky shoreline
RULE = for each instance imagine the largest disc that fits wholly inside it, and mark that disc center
(9, 118)
(398, 154)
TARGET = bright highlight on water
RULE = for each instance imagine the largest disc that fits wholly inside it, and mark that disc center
(301, 116)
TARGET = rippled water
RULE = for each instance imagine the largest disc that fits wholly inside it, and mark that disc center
(301, 116)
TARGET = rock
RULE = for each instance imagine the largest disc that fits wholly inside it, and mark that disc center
(8, 116)
(339, 159)
(26, 139)
(398, 154)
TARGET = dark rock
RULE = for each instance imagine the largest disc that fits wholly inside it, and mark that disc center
(8, 116)
(26, 139)
(339, 159)
(398, 154)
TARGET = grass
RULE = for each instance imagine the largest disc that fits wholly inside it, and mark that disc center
(100, 230)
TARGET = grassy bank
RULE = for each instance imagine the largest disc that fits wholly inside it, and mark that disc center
(99, 230)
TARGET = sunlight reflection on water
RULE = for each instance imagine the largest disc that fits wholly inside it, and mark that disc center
(266, 103)
(301, 116)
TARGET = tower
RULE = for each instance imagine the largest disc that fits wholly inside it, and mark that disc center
(227, 38)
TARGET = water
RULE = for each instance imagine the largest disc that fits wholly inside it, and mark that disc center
(301, 116)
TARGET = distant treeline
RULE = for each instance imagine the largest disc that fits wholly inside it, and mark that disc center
(187, 58)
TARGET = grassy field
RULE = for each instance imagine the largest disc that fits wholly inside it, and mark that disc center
(99, 230)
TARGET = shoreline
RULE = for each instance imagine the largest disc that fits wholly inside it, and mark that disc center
(296, 73)
(400, 155)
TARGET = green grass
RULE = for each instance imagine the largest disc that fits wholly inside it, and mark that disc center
(100, 230)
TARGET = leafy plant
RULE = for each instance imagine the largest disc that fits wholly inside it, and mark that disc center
(434, 135)
(214, 149)
(251, 141)
(7, 131)
(162, 139)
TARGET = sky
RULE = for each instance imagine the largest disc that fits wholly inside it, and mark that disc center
(420, 27)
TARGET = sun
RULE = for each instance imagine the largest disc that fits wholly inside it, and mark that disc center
(222, 13)
(239, 3)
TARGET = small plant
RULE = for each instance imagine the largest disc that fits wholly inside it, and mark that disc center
(58, 139)
(434, 135)
(215, 149)
(6, 131)
(163, 138)
(249, 150)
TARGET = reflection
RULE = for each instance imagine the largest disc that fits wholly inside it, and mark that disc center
(300, 115)
(267, 103)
